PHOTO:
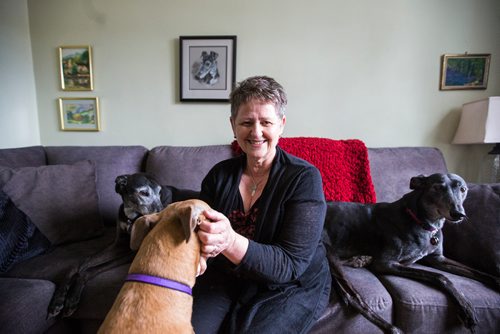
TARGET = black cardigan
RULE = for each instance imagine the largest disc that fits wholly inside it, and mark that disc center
(286, 256)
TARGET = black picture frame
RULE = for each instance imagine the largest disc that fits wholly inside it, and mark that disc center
(207, 68)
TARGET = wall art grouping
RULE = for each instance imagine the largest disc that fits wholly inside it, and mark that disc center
(75, 69)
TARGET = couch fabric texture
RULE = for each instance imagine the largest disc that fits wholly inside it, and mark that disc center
(66, 194)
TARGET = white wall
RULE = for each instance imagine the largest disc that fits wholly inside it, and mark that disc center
(353, 69)
(18, 110)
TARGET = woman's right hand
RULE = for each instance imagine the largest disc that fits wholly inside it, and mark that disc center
(217, 236)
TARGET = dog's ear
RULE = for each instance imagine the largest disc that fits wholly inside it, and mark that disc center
(189, 217)
(166, 195)
(121, 183)
(417, 182)
(141, 228)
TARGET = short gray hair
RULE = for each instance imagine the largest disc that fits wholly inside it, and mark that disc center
(261, 88)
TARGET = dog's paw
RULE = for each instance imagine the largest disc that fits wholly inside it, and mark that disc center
(358, 261)
(394, 330)
(58, 300)
(54, 310)
(73, 298)
(468, 317)
(202, 266)
(56, 304)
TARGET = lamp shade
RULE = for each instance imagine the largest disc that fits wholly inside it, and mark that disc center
(479, 122)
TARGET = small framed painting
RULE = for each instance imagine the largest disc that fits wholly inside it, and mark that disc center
(79, 114)
(207, 68)
(464, 71)
(75, 66)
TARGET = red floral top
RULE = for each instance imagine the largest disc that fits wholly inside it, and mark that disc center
(244, 223)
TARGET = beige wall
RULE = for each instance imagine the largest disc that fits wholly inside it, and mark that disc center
(353, 69)
(18, 110)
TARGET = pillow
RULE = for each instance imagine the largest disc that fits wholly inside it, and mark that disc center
(5, 175)
(19, 238)
(61, 200)
(475, 241)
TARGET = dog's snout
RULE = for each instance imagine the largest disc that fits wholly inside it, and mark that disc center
(457, 215)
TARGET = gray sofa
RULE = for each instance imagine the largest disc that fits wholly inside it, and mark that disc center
(68, 193)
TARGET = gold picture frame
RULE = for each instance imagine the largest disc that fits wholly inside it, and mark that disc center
(464, 71)
(79, 114)
(75, 68)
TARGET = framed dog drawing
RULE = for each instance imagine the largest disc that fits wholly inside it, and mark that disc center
(464, 71)
(207, 68)
(75, 67)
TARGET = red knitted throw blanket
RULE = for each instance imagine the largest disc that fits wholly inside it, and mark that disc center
(343, 164)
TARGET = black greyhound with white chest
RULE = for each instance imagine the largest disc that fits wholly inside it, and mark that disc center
(388, 237)
(141, 195)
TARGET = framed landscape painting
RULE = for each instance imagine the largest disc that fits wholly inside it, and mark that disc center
(79, 114)
(75, 67)
(464, 71)
(207, 68)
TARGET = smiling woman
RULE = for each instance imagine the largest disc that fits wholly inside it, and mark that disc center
(268, 268)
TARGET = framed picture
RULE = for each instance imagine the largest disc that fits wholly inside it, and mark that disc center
(79, 114)
(75, 67)
(207, 68)
(464, 71)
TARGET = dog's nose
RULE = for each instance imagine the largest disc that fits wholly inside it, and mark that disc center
(457, 215)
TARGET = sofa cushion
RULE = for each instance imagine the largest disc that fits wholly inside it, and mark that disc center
(421, 308)
(110, 161)
(480, 232)
(61, 200)
(32, 156)
(185, 167)
(55, 264)
(340, 318)
(24, 305)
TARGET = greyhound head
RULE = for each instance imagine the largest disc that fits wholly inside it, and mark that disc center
(141, 194)
(442, 195)
(208, 71)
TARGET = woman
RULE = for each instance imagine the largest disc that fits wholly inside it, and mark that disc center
(268, 272)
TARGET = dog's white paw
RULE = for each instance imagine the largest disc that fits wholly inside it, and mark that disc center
(202, 266)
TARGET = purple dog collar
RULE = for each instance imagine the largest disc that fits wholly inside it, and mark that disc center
(163, 282)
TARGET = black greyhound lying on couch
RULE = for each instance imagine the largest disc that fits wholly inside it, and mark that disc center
(389, 237)
(141, 195)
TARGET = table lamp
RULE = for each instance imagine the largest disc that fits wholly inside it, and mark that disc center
(480, 124)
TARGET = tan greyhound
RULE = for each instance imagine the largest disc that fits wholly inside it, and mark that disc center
(156, 297)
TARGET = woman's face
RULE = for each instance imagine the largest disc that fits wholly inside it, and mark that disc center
(257, 128)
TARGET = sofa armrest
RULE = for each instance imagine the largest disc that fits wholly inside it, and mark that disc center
(475, 241)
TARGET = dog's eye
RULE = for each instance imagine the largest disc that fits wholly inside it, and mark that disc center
(144, 193)
(463, 189)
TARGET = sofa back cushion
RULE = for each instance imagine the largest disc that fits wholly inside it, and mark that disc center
(110, 161)
(480, 232)
(32, 156)
(185, 167)
(392, 168)
(61, 200)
